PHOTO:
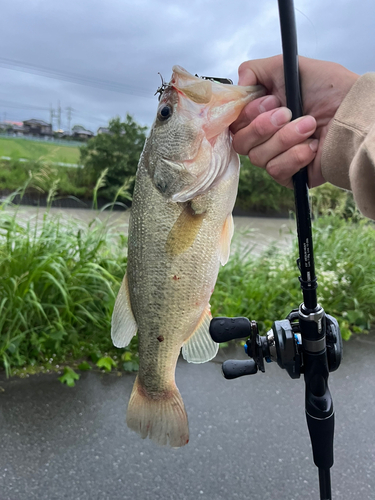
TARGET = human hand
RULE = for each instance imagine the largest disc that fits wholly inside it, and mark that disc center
(264, 130)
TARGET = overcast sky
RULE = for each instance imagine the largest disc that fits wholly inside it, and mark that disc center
(104, 56)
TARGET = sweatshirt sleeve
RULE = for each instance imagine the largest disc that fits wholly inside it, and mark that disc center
(348, 158)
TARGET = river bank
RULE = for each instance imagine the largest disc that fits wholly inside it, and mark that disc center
(253, 234)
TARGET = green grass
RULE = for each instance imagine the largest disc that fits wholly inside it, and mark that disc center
(38, 151)
(266, 288)
(59, 280)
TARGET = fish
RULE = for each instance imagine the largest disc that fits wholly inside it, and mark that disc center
(180, 229)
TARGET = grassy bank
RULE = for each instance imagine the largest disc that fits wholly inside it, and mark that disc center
(64, 181)
(17, 148)
(59, 280)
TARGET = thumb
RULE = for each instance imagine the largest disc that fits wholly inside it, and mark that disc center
(246, 75)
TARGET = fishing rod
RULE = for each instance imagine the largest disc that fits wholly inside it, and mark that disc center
(308, 341)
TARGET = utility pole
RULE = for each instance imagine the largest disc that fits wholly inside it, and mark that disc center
(69, 110)
(59, 117)
(51, 115)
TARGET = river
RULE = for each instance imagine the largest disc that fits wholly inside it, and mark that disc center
(251, 233)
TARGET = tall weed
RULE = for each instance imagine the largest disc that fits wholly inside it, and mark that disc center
(58, 283)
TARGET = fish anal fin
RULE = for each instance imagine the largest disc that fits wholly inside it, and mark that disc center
(163, 418)
(225, 239)
(184, 231)
(124, 326)
(200, 347)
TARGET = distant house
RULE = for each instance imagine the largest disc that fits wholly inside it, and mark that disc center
(18, 130)
(12, 128)
(61, 134)
(38, 128)
(103, 130)
(79, 132)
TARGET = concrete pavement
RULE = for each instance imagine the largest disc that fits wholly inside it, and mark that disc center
(248, 437)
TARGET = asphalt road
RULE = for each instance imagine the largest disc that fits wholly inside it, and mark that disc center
(248, 437)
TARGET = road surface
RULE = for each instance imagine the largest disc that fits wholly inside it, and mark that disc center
(248, 437)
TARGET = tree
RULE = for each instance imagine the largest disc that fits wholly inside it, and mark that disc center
(258, 192)
(118, 150)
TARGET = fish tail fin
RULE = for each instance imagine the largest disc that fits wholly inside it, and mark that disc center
(162, 419)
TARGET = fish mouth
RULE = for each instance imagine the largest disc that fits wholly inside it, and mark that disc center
(220, 104)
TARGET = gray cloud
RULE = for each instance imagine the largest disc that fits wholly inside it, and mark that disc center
(123, 44)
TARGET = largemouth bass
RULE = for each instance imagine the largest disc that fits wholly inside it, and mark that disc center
(180, 231)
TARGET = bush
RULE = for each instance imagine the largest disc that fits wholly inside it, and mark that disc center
(118, 151)
(258, 192)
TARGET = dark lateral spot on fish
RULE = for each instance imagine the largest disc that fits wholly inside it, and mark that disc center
(160, 338)
(175, 277)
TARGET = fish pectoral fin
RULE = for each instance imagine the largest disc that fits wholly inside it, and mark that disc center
(124, 326)
(225, 239)
(184, 231)
(200, 347)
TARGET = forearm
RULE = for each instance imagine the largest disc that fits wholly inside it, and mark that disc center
(348, 158)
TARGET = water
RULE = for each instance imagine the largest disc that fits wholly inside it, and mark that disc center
(251, 233)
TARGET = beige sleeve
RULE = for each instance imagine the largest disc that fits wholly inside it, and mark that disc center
(348, 159)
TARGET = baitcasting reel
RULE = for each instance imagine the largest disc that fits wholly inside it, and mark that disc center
(283, 343)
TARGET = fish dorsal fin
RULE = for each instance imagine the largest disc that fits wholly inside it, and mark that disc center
(124, 326)
(200, 347)
(225, 239)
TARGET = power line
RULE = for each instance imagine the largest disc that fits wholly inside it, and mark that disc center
(11, 104)
(74, 78)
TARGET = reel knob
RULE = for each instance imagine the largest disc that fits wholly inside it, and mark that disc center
(225, 329)
(233, 368)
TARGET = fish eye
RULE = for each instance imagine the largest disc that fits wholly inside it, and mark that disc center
(165, 112)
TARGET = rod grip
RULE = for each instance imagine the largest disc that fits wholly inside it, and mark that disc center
(321, 434)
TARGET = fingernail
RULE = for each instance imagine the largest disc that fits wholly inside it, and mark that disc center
(268, 103)
(305, 124)
(314, 145)
(281, 116)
